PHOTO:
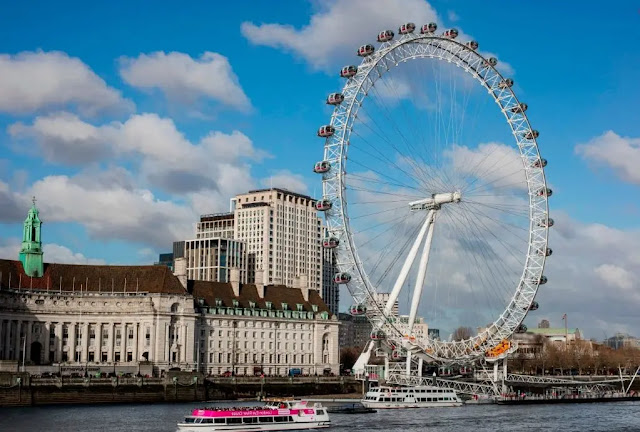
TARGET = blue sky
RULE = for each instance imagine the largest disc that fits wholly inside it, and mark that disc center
(575, 63)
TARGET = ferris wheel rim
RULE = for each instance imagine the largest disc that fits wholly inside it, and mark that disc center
(334, 185)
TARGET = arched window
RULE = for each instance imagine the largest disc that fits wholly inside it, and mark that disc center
(175, 308)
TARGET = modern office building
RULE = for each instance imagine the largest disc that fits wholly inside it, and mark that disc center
(211, 259)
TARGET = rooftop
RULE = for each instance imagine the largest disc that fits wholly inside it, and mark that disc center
(68, 277)
(281, 190)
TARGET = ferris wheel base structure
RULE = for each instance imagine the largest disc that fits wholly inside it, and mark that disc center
(390, 335)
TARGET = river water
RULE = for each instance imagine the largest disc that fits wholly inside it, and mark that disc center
(610, 417)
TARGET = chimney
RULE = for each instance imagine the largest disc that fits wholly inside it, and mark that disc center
(260, 283)
(180, 270)
(234, 278)
(303, 285)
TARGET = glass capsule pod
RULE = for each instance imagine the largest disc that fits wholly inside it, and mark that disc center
(472, 44)
(544, 192)
(330, 243)
(534, 306)
(545, 252)
(326, 131)
(342, 278)
(451, 33)
(348, 71)
(542, 281)
(505, 83)
(357, 309)
(532, 134)
(520, 108)
(407, 28)
(366, 50)
(385, 36)
(521, 328)
(321, 167)
(540, 163)
(323, 205)
(335, 99)
(546, 223)
(429, 28)
(491, 61)
(377, 335)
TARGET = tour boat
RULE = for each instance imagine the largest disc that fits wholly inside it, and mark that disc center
(410, 397)
(276, 415)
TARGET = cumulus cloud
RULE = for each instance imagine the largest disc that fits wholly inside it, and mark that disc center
(183, 78)
(615, 276)
(12, 205)
(35, 80)
(621, 154)
(165, 157)
(53, 253)
(287, 180)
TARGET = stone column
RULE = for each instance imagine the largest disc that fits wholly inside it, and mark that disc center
(85, 342)
(72, 341)
(153, 344)
(28, 344)
(18, 341)
(97, 349)
(123, 342)
(136, 329)
(183, 353)
(111, 341)
(58, 342)
(46, 344)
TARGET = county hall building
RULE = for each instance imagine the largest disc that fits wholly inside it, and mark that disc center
(57, 317)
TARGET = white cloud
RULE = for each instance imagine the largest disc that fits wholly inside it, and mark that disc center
(165, 158)
(621, 154)
(53, 253)
(32, 81)
(183, 78)
(453, 16)
(615, 276)
(287, 180)
(337, 30)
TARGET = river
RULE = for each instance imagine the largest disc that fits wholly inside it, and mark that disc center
(610, 417)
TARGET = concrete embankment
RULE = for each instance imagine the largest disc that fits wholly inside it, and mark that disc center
(19, 389)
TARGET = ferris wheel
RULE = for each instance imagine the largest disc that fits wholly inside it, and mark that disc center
(429, 199)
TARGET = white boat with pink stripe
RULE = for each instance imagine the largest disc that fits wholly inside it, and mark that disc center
(277, 415)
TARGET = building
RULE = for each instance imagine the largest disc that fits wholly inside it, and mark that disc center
(60, 318)
(383, 298)
(433, 333)
(220, 225)
(282, 231)
(558, 334)
(212, 258)
(165, 259)
(355, 331)
(622, 340)
(330, 289)
(544, 324)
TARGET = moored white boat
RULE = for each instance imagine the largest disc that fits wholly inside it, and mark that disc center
(275, 416)
(385, 397)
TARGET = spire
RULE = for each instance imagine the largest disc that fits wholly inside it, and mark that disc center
(31, 251)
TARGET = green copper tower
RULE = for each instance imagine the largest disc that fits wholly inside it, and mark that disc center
(31, 251)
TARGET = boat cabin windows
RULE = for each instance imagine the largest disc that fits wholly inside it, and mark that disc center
(320, 412)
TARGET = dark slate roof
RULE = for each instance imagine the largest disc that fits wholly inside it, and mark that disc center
(152, 279)
(276, 294)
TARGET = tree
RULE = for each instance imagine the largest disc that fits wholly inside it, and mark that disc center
(462, 333)
(348, 356)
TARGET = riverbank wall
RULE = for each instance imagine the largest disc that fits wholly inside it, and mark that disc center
(20, 389)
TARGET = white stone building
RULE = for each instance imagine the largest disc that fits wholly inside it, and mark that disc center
(283, 233)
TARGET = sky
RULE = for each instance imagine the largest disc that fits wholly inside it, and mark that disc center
(127, 120)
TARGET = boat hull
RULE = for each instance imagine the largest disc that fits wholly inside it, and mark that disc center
(201, 427)
(400, 405)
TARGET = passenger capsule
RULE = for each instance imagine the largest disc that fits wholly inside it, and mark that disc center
(321, 167)
(397, 355)
(330, 243)
(492, 61)
(521, 328)
(342, 278)
(323, 205)
(385, 36)
(546, 223)
(534, 306)
(505, 83)
(348, 71)
(532, 134)
(545, 252)
(335, 99)
(520, 108)
(544, 192)
(541, 281)
(357, 309)
(365, 50)
(429, 28)
(472, 44)
(407, 28)
(377, 335)
(326, 131)
(540, 163)
(451, 33)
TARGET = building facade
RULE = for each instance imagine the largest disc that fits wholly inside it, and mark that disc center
(355, 331)
(219, 225)
(282, 231)
(211, 259)
(330, 289)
